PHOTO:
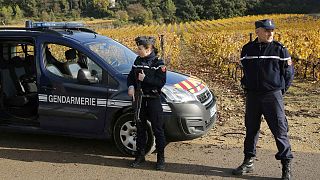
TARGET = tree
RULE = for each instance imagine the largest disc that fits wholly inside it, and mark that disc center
(56, 7)
(123, 4)
(232, 8)
(138, 13)
(44, 16)
(75, 14)
(101, 4)
(153, 8)
(212, 10)
(252, 6)
(284, 6)
(75, 5)
(44, 5)
(52, 16)
(64, 4)
(169, 10)
(6, 14)
(101, 8)
(145, 3)
(200, 7)
(18, 13)
(31, 9)
(215, 9)
(156, 13)
(122, 16)
(185, 10)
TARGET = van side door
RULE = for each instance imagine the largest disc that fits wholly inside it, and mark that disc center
(65, 104)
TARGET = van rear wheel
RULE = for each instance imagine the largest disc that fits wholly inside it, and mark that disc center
(125, 135)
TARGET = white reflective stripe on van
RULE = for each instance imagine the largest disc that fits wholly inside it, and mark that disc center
(101, 102)
(265, 57)
(43, 97)
(118, 103)
(74, 100)
(113, 103)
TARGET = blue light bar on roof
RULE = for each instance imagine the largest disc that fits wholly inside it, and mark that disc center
(57, 25)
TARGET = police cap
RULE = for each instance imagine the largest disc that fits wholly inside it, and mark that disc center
(265, 23)
(145, 40)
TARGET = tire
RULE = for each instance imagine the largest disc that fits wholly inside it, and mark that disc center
(124, 135)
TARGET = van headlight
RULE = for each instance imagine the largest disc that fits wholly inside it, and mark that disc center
(177, 95)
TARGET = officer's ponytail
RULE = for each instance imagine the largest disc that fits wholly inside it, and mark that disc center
(155, 50)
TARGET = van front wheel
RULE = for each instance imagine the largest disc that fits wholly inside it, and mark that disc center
(125, 135)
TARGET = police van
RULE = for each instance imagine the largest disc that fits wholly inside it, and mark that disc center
(64, 79)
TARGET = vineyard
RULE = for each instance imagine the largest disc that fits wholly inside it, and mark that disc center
(201, 46)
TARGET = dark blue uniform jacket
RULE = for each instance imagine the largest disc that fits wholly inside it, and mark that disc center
(154, 70)
(266, 66)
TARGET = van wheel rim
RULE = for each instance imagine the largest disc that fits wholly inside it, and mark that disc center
(128, 135)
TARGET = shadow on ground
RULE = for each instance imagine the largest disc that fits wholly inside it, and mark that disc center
(55, 149)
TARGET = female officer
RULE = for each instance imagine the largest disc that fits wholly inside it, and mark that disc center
(149, 73)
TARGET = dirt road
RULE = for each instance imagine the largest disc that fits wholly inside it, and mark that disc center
(210, 157)
(50, 157)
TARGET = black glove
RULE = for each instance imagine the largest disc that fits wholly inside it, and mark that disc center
(244, 88)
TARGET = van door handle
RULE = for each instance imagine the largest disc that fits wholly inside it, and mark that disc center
(48, 88)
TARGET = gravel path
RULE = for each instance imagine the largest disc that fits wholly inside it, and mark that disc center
(50, 157)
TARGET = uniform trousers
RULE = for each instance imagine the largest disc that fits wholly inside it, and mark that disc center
(270, 105)
(151, 109)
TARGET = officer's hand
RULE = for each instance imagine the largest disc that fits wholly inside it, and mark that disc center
(245, 91)
(141, 76)
(131, 92)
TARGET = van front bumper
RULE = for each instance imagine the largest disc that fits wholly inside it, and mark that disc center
(190, 120)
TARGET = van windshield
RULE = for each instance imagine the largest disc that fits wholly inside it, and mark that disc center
(117, 55)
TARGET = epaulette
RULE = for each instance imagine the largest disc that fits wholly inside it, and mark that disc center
(160, 60)
(279, 44)
(156, 60)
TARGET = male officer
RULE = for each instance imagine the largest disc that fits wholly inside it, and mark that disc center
(268, 73)
(149, 73)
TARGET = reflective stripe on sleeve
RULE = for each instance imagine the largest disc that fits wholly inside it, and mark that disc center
(147, 67)
(265, 57)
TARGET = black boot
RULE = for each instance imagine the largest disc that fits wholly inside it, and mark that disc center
(140, 158)
(160, 161)
(245, 167)
(286, 169)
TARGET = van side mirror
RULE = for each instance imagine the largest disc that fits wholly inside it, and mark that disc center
(84, 77)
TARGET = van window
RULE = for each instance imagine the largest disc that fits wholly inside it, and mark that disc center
(20, 48)
(65, 61)
(118, 56)
(17, 65)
